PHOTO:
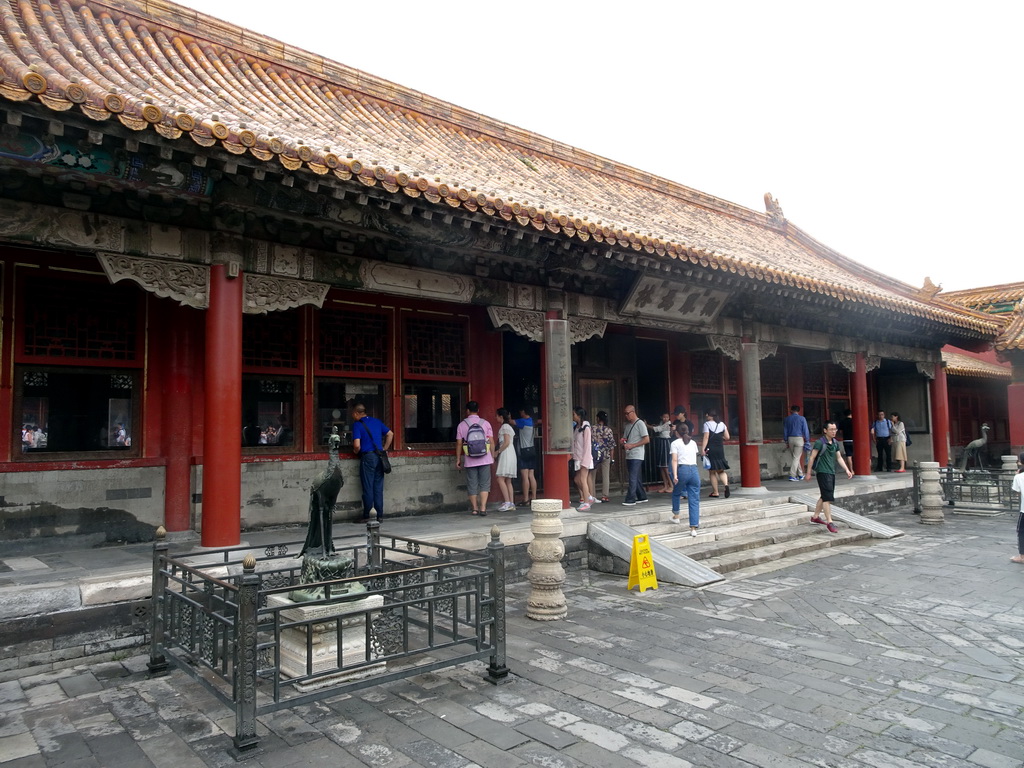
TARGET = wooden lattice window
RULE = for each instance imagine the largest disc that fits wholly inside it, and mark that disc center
(838, 381)
(435, 348)
(271, 342)
(773, 376)
(354, 343)
(814, 379)
(706, 371)
(79, 321)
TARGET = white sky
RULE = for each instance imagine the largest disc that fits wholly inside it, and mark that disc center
(890, 130)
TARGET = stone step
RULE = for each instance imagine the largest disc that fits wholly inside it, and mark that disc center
(726, 524)
(710, 544)
(812, 538)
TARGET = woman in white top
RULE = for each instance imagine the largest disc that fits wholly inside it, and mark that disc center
(663, 436)
(898, 438)
(1018, 487)
(583, 458)
(685, 475)
(506, 454)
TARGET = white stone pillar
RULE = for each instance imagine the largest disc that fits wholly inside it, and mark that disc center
(546, 576)
(931, 494)
(1009, 463)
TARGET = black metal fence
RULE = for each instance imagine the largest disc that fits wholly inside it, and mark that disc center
(974, 490)
(409, 607)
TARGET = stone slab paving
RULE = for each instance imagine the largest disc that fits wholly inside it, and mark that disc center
(908, 652)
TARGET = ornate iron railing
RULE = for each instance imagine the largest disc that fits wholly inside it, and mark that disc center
(225, 617)
(974, 490)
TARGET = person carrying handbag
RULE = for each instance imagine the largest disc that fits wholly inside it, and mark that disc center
(370, 442)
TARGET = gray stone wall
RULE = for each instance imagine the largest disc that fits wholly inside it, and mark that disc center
(113, 504)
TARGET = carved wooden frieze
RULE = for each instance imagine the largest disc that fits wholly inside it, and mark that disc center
(766, 349)
(926, 369)
(583, 328)
(727, 345)
(525, 322)
(264, 293)
(846, 360)
(422, 283)
(188, 284)
(871, 362)
(686, 303)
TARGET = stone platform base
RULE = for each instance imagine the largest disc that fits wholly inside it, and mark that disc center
(323, 643)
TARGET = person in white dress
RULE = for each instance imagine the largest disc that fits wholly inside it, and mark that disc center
(506, 453)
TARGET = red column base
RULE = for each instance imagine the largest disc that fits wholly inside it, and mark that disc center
(556, 477)
(750, 466)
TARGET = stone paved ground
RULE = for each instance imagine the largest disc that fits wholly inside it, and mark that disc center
(903, 653)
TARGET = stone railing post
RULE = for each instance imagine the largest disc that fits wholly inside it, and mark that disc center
(497, 672)
(546, 575)
(931, 494)
(1009, 463)
(157, 661)
(246, 742)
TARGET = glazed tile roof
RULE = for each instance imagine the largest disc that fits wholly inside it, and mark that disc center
(1006, 300)
(992, 296)
(154, 65)
(958, 364)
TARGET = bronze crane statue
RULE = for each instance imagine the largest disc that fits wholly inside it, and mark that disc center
(322, 497)
(973, 449)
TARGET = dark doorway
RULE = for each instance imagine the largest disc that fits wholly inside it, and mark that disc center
(652, 379)
(521, 373)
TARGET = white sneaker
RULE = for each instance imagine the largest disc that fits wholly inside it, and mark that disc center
(675, 520)
(693, 532)
(592, 501)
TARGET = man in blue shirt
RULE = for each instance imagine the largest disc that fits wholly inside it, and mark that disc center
(881, 431)
(368, 436)
(796, 435)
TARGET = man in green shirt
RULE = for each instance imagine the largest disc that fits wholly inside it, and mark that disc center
(824, 455)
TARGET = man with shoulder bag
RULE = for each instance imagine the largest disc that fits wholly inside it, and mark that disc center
(370, 442)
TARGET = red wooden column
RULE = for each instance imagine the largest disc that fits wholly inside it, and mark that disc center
(940, 415)
(177, 389)
(556, 394)
(751, 428)
(861, 419)
(222, 434)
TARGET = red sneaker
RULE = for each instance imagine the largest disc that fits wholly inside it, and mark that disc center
(817, 520)
(832, 528)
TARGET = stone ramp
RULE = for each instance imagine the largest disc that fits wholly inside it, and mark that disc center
(671, 566)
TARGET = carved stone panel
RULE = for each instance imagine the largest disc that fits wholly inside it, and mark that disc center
(60, 228)
(188, 284)
(272, 294)
(558, 408)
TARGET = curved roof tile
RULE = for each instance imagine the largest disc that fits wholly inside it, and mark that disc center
(958, 364)
(153, 64)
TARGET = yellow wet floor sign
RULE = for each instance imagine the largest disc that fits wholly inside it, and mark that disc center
(641, 565)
